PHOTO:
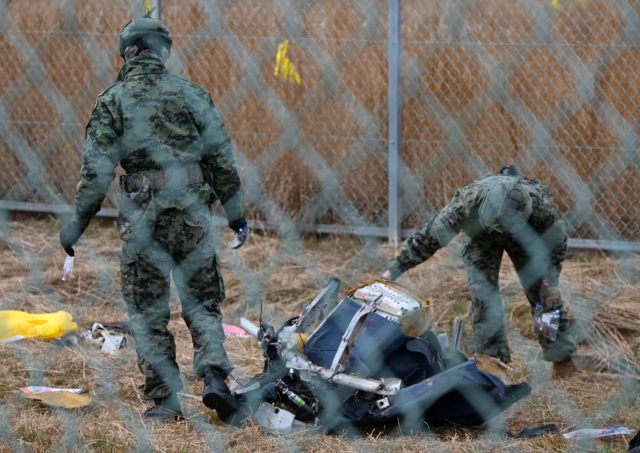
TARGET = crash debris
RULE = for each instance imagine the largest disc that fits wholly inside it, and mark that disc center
(371, 360)
(61, 398)
(104, 336)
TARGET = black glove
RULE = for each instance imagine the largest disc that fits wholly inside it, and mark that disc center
(69, 235)
(241, 229)
(238, 224)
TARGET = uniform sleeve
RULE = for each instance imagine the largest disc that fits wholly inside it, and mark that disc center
(555, 238)
(553, 233)
(440, 230)
(99, 160)
(219, 156)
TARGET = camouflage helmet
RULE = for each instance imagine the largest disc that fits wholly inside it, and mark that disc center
(151, 30)
(506, 204)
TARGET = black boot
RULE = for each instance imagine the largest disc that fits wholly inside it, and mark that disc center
(216, 394)
(165, 409)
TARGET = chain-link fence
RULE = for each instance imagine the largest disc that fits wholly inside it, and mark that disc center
(479, 84)
(316, 150)
(549, 86)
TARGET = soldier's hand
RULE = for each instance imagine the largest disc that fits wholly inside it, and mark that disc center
(549, 295)
(241, 230)
(69, 235)
(387, 276)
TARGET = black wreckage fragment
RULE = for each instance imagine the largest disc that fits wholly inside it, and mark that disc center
(364, 365)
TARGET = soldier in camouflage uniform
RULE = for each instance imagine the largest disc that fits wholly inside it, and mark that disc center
(497, 214)
(168, 137)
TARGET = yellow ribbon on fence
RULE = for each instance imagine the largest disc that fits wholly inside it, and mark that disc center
(284, 67)
(558, 6)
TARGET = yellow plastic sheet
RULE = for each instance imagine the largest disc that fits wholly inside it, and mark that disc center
(284, 67)
(66, 400)
(27, 325)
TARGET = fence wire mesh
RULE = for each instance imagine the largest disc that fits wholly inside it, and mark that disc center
(484, 83)
(318, 149)
(555, 92)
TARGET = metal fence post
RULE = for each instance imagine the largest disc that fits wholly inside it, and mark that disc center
(157, 4)
(395, 121)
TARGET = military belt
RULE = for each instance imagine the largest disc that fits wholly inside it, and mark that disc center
(175, 177)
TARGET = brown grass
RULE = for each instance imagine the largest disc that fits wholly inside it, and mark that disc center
(288, 282)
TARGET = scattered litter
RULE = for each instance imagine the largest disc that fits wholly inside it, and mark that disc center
(101, 336)
(116, 327)
(595, 433)
(64, 399)
(38, 390)
(277, 419)
(67, 268)
(443, 338)
(112, 343)
(141, 399)
(17, 325)
(88, 336)
(540, 430)
(186, 395)
(234, 331)
(546, 324)
(67, 341)
(458, 331)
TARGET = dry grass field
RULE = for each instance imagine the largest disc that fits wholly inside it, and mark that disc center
(31, 268)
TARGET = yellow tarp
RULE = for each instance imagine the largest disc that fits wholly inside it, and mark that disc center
(49, 325)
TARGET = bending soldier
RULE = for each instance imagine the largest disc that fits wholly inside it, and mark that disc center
(166, 134)
(497, 214)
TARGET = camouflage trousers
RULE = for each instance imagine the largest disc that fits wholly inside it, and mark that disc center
(482, 257)
(181, 245)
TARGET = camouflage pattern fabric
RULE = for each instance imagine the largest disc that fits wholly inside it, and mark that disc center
(537, 250)
(150, 120)
(482, 257)
(182, 245)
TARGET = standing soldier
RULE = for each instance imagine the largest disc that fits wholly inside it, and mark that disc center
(497, 214)
(166, 134)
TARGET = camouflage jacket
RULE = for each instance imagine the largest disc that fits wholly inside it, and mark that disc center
(150, 120)
(461, 215)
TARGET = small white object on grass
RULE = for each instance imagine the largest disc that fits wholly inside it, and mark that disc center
(67, 269)
(594, 433)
